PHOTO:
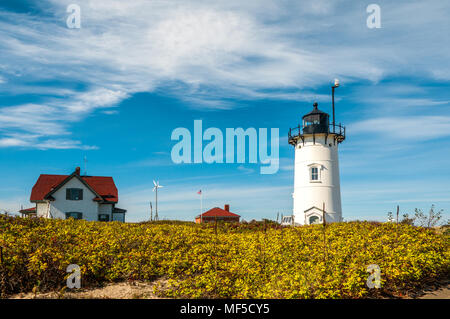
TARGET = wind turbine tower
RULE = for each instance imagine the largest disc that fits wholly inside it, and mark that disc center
(155, 189)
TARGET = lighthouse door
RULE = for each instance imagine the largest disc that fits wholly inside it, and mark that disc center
(314, 220)
(313, 215)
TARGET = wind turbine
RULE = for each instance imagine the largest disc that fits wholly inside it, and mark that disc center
(155, 189)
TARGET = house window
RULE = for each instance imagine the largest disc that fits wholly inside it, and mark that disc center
(74, 194)
(74, 215)
(119, 217)
(314, 173)
(103, 217)
(287, 220)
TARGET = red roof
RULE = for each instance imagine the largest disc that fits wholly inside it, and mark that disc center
(104, 186)
(218, 212)
(28, 210)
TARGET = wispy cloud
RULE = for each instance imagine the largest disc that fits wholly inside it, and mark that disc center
(30, 125)
(245, 170)
(32, 141)
(418, 128)
(215, 50)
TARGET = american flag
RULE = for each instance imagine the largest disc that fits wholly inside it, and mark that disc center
(199, 192)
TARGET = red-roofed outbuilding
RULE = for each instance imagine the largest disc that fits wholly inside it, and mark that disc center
(217, 214)
(28, 211)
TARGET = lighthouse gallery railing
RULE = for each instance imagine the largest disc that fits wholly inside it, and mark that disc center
(337, 129)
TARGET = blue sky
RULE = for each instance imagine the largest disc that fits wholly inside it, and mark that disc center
(116, 88)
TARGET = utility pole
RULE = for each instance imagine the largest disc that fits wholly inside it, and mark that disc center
(155, 189)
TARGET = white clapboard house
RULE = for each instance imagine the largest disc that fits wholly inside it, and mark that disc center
(74, 196)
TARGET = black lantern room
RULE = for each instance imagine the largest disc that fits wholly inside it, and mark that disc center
(316, 121)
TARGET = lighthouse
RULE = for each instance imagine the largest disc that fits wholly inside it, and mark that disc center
(317, 193)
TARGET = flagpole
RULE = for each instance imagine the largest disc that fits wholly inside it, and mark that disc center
(201, 207)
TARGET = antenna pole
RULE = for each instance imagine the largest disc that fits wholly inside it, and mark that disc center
(336, 84)
(85, 166)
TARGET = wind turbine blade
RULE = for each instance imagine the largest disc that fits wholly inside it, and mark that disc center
(154, 183)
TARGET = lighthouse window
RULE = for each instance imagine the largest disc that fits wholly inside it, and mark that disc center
(311, 120)
(314, 173)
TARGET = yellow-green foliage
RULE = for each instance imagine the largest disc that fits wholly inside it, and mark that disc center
(239, 262)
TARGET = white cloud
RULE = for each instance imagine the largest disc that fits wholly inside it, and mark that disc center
(203, 51)
(62, 145)
(29, 124)
(97, 98)
(245, 170)
(32, 141)
(417, 128)
(9, 141)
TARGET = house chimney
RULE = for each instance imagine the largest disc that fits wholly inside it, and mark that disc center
(227, 207)
(77, 171)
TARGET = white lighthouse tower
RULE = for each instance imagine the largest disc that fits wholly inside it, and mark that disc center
(316, 170)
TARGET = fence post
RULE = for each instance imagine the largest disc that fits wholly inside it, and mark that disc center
(3, 274)
(398, 210)
(215, 255)
(264, 251)
(396, 226)
(324, 221)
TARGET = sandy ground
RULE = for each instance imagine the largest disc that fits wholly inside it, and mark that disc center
(123, 290)
(144, 290)
(441, 293)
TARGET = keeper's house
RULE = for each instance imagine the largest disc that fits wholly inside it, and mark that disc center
(217, 214)
(73, 196)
